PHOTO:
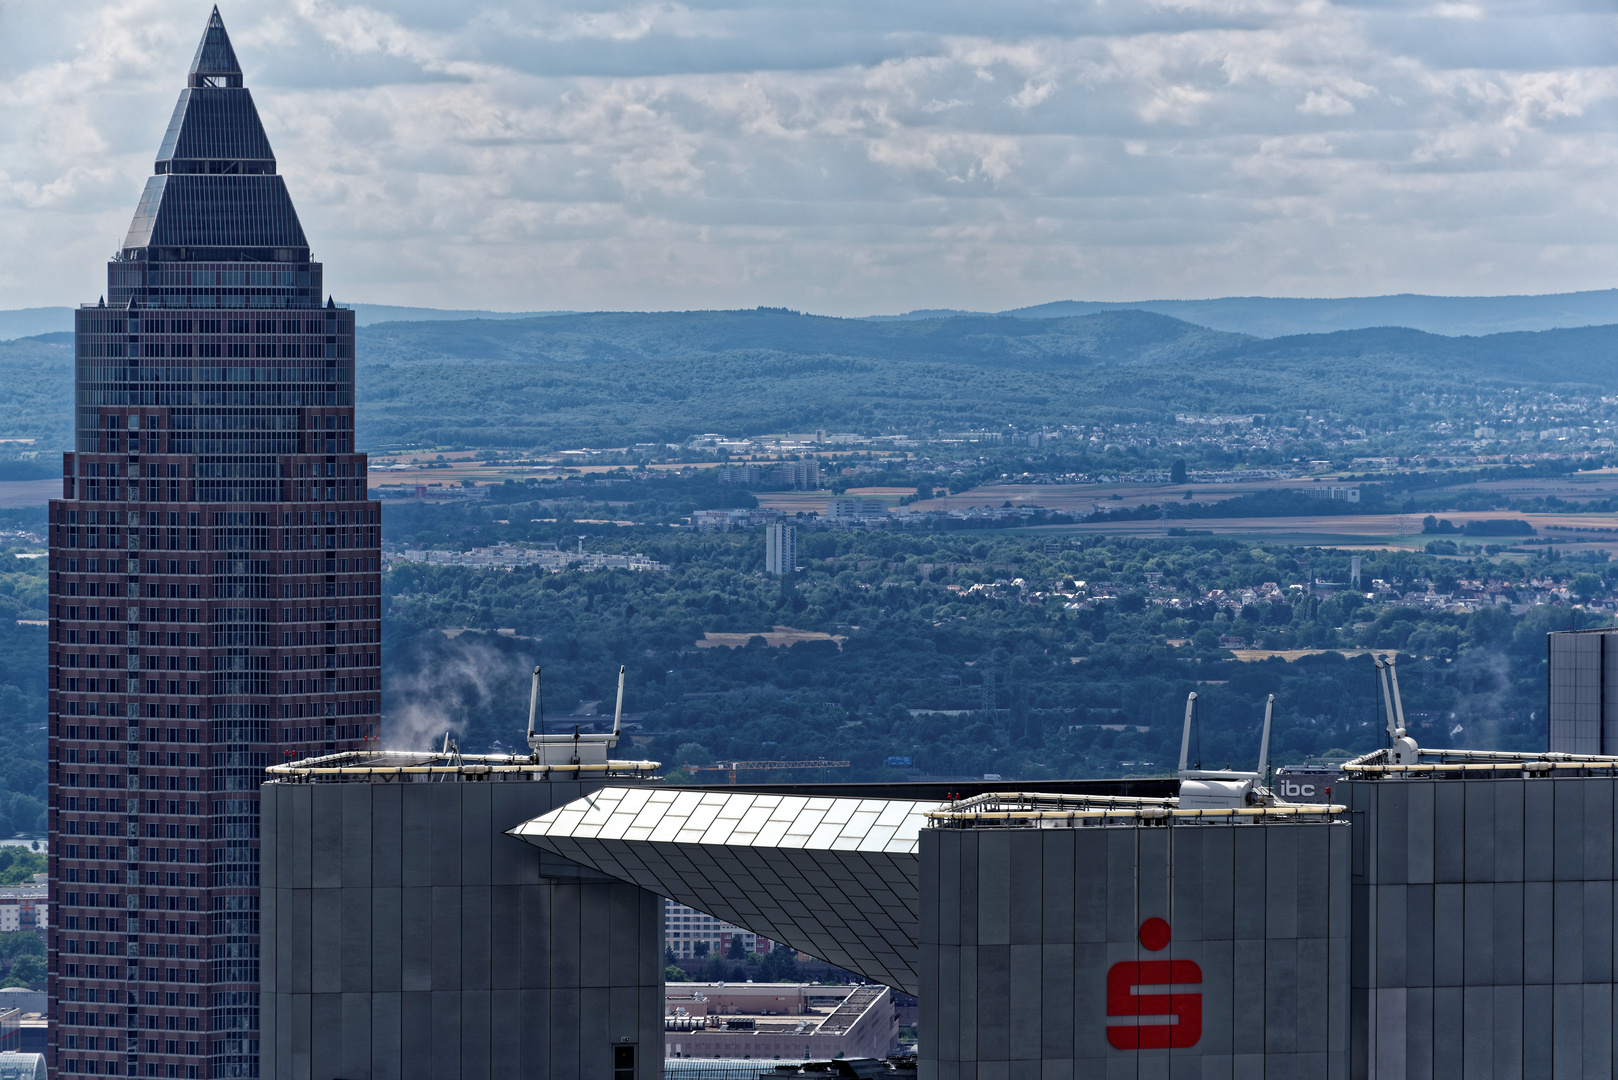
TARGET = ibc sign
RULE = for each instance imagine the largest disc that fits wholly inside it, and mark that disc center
(1306, 786)
(1150, 1003)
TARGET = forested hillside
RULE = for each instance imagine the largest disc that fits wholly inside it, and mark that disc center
(1090, 664)
(23, 673)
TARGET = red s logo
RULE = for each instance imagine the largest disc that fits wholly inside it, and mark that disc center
(1181, 1009)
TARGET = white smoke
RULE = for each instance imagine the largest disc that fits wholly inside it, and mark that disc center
(465, 676)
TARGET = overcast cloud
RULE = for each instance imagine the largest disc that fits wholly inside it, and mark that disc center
(851, 157)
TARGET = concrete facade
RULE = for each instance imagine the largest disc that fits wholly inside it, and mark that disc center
(405, 936)
(1024, 930)
(1582, 699)
(1483, 922)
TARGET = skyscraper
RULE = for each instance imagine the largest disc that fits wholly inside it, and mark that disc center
(214, 594)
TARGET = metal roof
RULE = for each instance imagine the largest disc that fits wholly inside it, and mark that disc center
(835, 878)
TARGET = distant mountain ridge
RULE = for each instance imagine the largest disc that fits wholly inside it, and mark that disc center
(1257, 316)
(1450, 316)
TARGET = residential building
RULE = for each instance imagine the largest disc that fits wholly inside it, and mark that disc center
(726, 520)
(213, 593)
(851, 513)
(509, 557)
(24, 907)
(793, 475)
(780, 549)
(1339, 492)
(689, 933)
(798, 475)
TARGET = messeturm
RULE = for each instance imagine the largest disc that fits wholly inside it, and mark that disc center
(214, 594)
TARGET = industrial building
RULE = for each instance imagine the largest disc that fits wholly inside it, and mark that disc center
(777, 1021)
(1482, 898)
(405, 935)
(1446, 913)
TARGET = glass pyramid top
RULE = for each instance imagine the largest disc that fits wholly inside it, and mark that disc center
(215, 193)
(215, 63)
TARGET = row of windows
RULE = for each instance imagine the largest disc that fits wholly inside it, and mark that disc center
(191, 640)
(257, 399)
(208, 420)
(120, 275)
(222, 519)
(135, 325)
(92, 1067)
(75, 1018)
(221, 540)
(152, 806)
(111, 996)
(206, 349)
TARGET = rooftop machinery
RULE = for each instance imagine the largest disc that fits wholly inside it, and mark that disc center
(1214, 789)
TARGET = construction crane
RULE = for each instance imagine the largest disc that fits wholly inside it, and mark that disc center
(733, 767)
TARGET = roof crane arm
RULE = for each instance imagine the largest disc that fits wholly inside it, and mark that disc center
(1185, 736)
(1398, 703)
(1264, 741)
(1387, 696)
(618, 713)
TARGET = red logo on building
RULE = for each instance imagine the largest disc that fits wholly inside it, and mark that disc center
(1152, 993)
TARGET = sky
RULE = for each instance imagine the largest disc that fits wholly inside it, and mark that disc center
(850, 157)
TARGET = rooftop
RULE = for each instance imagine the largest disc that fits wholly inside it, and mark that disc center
(1044, 810)
(1500, 764)
(712, 1010)
(416, 766)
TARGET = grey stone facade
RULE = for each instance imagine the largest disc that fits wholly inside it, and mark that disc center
(405, 937)
(1483, 924)
(1021, 928)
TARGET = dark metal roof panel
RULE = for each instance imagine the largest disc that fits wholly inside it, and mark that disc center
(215, 211)
(216, 123)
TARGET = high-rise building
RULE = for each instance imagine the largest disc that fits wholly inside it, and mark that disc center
(780, 548)
(214, 594)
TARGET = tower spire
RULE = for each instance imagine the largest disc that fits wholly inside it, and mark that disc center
(215, 63)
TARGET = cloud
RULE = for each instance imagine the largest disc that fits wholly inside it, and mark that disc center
(847, 157)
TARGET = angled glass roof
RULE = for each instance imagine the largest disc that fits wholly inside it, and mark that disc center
(835, 878)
